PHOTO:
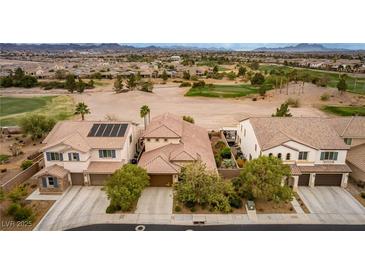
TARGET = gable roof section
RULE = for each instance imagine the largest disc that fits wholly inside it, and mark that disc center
(160, 165)
(161, 132)
(53, 170)
(349, 127)
(356, 156)
(165, 125)
(312, 132)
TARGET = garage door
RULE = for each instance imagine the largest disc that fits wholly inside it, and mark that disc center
(77, 179)
(303, 180)
(98, 179)
(160, 180)
(328, 180)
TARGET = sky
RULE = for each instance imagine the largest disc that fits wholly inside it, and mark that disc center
(248, 46)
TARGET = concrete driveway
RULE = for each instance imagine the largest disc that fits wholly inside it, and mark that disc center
(330, 200)
(155, 200)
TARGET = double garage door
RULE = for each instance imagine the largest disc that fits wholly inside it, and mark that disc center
(321, 180)
(160, 180)
(95, 179)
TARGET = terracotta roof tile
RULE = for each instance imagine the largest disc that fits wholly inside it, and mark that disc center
(356, 156)
(53, 170)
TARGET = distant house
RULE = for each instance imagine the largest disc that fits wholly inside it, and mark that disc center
(85, 153)
(352, 131)
(175, 58)
(170, 143)
(310, 146)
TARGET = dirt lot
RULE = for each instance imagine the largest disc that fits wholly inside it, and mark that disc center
(211, 113)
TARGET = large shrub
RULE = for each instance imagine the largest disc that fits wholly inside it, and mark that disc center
(36, 125)
(125, 186)
(225, 153)
(25, 164)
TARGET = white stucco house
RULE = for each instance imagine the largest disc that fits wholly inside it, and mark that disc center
(85, 153)
(311, 146)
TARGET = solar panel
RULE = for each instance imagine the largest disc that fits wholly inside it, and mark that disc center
(93, 130)
(108, 130)
(100, 131)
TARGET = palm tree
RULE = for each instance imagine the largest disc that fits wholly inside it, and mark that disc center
(144, 111)
(82, 108)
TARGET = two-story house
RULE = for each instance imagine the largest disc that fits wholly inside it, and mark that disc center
(312, 148)
(170, 142)
(352, 131)
(85, 153)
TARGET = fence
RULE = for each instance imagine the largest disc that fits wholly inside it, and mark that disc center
(24, 175)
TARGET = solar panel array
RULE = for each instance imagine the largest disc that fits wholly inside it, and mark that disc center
(107, 130)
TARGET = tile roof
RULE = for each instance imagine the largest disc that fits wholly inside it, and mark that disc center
(349, 127)
(105, 167)
(356, 156)
(53, 170)
(194, 145)
(330, 168)
(74, 134)
(312, 132)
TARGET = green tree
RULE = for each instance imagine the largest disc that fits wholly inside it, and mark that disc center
(80, 86)
(263, 178)
(241, 71)
(82, 109)
(144, 113)
(19, 74)
(257, 79)
(36, 125)
(198, 186)
(186, 75)
(254, 65)
(283, 111)
(215, 69)
(124, 187)
(231, 75)
(188, 119)
(342, 85)
(70, 83)
(147, 86)
(118, 84)
(164, 75)
(131, 82)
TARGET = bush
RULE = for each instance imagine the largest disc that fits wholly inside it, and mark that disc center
(36, 125)
(189, 204)
(23, 214)
(25, 164)
(12, 209)
(220, 145)
(4, 158)
(294, 102)
(17, 194)
(177, 208)
(199, 84)
(112, 208)
(218, 160)
(325, 97)
(193, 209)
(235, 201)
(188, 119)
(257, 79)
(185, 84)
(228, 163)
(225, 153)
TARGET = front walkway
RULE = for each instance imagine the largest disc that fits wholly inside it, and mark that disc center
(81, 206)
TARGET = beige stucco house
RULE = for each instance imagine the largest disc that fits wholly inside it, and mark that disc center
(170, 142)
(85, 153)
(311, 146)
(352, 131)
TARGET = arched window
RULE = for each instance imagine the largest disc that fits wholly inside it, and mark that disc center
(279, 155)
(270, 154)
(288, 156)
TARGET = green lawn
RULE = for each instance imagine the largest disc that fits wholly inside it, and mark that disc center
(333, 77)
(345, 111)
(224, 91)
(12, 109)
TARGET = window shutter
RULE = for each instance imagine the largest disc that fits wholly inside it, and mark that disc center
(322, 155)
(61, 157)
(69, 156)
(44, 182)
(100, 154)
(48, 156)
(113, 153)
(335, 156)
(55, 182)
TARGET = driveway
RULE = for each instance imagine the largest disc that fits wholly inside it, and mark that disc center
(155, 200)
(330, 200)
(76, 206)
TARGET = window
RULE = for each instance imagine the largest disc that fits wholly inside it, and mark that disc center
(157, 140)
(49, 181)
(165, 139)
(303, 155)
(130, 139)
(329, 155)
(348, 141)
(287, 156)
(106, 153)
(279, 155)
(73, 156)
(270, 154)
(54, 156)
(148, 139)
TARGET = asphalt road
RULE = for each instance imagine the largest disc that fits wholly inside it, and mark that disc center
(273, 227)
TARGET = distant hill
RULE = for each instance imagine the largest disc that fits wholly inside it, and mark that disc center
(304, 47)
